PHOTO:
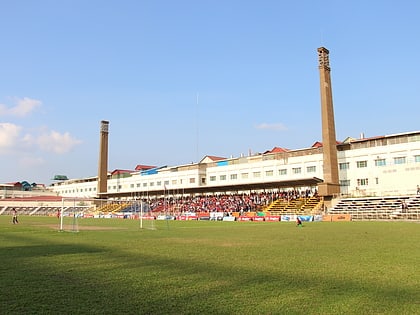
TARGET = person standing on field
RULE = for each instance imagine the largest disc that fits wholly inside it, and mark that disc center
(15, 217)
(298, 222)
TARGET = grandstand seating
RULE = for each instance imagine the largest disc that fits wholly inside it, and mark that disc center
(44, 211)
(379, 208)
(112, 207)
(309, 205)
(369, 208)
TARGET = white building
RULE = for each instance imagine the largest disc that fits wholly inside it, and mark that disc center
(379, 166)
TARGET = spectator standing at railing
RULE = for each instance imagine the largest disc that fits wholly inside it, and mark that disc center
(418, 190)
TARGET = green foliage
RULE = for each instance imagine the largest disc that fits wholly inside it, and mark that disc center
(202, 267)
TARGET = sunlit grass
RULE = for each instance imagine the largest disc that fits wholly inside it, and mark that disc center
(200, 267)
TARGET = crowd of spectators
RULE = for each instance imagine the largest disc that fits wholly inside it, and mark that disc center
(226, 203)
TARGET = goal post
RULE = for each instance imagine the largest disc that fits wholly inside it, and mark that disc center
(146, 219)
(74, 210)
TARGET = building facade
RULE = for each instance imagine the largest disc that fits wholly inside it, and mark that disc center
(379, 166)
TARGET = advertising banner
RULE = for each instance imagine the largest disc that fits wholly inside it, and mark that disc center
(229, 218)
(272, 218)
(336, 217)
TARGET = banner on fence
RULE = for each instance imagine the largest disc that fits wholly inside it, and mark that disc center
(336, 217)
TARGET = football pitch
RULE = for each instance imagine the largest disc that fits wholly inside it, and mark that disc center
(111, 266)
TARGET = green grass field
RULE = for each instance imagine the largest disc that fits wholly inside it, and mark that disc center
(202, 267)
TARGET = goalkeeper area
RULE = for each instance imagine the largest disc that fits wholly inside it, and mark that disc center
(74, 210)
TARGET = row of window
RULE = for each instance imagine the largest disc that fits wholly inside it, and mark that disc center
(378, 162)
(281, 172)
(257, 174)
(360, 182)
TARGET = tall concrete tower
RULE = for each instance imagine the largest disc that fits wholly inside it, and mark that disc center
(331, 185)
(103, 159)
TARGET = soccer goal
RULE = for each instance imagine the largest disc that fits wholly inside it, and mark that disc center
(69, 223)
(146, 218)
(73, 209)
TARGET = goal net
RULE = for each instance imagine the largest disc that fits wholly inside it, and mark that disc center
(73, 210)
(145, 215)
(69, 222)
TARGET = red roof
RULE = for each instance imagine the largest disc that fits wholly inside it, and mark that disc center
(320, 145)
(215, 158)
(141, 167)
(276, 150)
(116, 172)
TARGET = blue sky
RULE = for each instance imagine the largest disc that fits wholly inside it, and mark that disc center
(67, 65)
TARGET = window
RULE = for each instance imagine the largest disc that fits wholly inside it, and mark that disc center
(144, 184)
(344, 166)
(361, 164)
(159, 183)
(256, 174)
(269, 173)
(244, 175)
(138, 185)
(192, 180)
(362, 182)
(380, 162)
(152, 184)
(345, 182)
(399, 160)
(212, 178)
(131, 185)
(283, 171)
(233, 176)
(311, 169)
(296, 170)
(166, 183)
(417, 158)
(222, 177)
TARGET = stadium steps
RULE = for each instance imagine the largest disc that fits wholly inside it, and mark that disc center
(295, 206)
(35, 210)
(379, 208)
(3, 210)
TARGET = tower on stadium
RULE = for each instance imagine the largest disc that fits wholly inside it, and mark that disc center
(331, 186)
(103, 159)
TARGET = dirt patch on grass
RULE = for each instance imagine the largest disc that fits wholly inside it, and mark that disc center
(69, 227)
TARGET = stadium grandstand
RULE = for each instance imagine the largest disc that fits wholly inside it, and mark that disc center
(357, 178)
(377, 176)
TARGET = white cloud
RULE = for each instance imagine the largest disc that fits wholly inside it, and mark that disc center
(9, 135)
(56, 142)
(23, 107)
(15, 139)
(12, 140)
(275, 126)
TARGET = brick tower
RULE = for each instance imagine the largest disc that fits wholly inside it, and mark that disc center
(330, 186)
(103, 159)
